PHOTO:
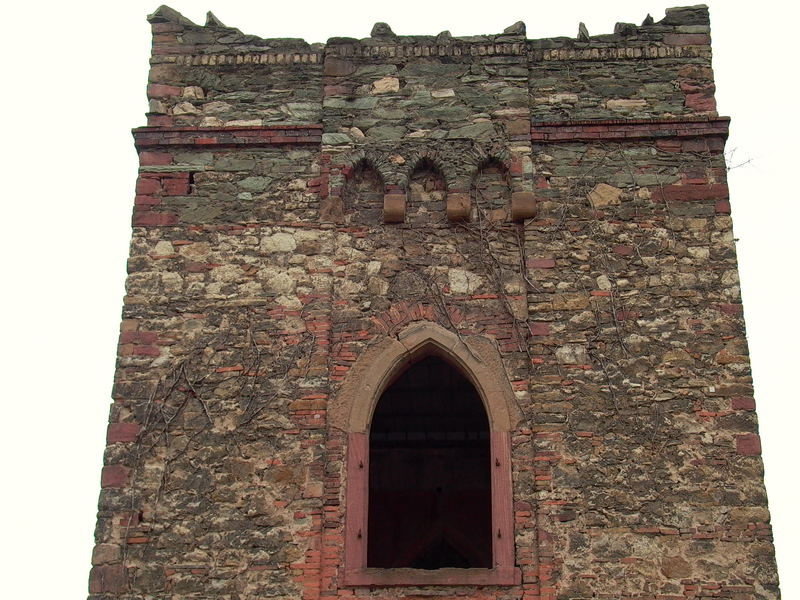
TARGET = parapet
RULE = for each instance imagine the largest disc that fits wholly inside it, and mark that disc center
(215, 75)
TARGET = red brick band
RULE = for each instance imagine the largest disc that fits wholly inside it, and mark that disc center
(628, 129)
(273, 135)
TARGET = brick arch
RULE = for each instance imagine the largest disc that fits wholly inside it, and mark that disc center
(375, 160)
(475, 356)
(479, 157)
(419, 157)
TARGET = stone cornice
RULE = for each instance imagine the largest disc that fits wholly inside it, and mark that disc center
(455, 48)
(599, 53)
(262, 58)
(648, 51)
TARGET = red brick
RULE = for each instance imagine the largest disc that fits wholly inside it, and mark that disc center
(701, 101)
(160, 121)
(159, 90)
(748, 444)
(541, 263)
(175, 187)
(142, 350)
(107, 579)
(722, 207)
(114, 476)
(151, 219)
(730, 309)
(142, 200)
(154, 158)
(687, 193)
(196, 267)
(622, 250)
(743, 403)
(147, 185)
(138, 540)
(540, 328)
(122, 432)
(138, 337)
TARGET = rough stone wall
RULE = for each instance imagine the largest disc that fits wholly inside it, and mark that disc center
(261, 269)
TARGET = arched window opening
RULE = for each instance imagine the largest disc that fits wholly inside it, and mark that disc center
(429, 481)
(427, 194)
(428, 391)
(492, 191)
(363, 195)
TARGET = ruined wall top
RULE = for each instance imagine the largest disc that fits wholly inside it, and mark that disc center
(388, 87)
(681, 26)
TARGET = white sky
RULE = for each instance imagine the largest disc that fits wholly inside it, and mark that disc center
(74, 86)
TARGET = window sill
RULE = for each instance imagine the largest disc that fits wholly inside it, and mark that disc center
(422, 577)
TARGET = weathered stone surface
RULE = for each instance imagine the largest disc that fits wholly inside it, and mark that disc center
(344, 195)
(675, 567)
(603, 195)
(463, 282)
(381, 30)
(517, 28)
(386, 85)
(626, 104)
(335, 139)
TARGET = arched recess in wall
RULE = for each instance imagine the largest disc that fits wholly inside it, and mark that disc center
(427, 191)
(491, 190)
(363, 195)
(474, 359)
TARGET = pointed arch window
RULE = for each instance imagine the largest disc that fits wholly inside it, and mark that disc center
(429, 476)
(428, 491)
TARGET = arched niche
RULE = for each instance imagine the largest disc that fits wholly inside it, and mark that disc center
(427, 193)
(491, 190)
(478, 362)
(363, 194)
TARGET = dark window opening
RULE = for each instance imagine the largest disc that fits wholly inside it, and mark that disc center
(429, 473)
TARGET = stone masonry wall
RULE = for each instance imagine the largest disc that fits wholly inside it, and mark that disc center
(298, 203)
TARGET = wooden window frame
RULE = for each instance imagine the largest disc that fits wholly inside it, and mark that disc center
(478, 359)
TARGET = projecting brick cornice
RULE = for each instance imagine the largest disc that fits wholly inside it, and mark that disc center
(628, 129)
(275, 135)
(184, 56)
(549, 132)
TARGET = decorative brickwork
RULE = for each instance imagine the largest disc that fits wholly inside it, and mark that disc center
(553, 213)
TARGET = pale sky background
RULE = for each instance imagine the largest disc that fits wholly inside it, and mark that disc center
(74, 86)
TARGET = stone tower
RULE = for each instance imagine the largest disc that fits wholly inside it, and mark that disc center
(415, 316)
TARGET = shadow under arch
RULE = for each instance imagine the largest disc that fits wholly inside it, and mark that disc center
(491, 189)
(362, 193)
(478, 359)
